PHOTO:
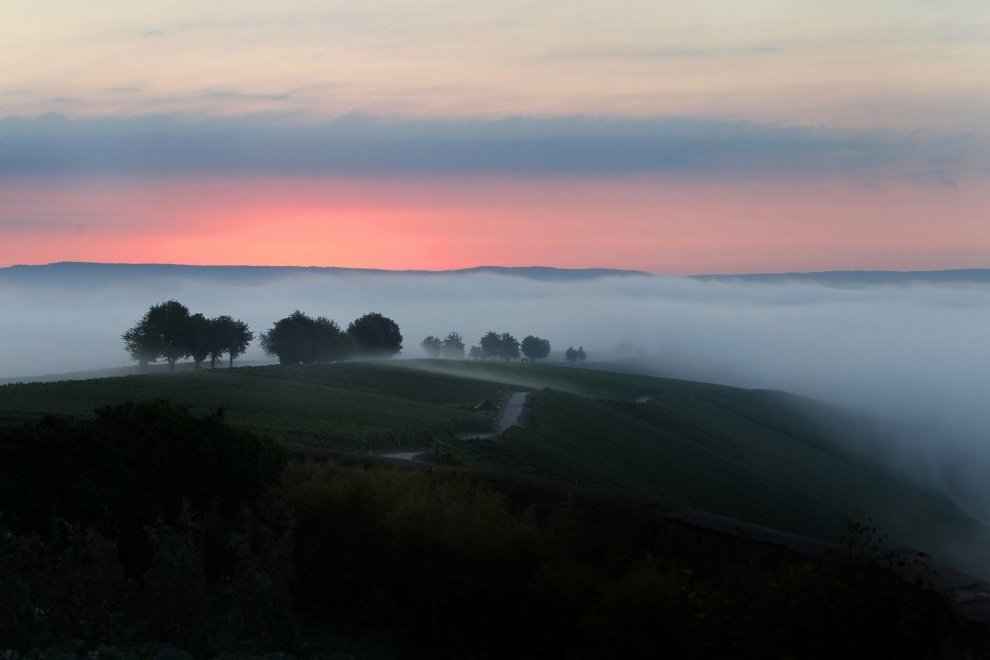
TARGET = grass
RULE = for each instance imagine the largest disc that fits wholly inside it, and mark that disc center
(762, 456)
(351, 407)
(688, 451)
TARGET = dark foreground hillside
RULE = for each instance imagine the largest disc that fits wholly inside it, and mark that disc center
(759, 456)
(148, 531)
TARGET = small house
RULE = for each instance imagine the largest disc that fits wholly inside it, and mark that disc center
(487, 407)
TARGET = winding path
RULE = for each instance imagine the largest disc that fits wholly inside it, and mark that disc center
(512, 414)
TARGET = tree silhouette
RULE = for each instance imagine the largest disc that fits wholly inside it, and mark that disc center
(453, 346)
(535, 348)
(228, 336)
(574, 355)
(330, 342)
(299, 338)
(495, 345)
(490, 344)
(291, 339)
(432, 346)
(143, 343)
(450, 347)
(376, 335)
(168, 331)
(163, 332)
(198, 338)
(508, 347)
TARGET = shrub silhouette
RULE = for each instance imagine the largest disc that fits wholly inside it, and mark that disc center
(128, 467)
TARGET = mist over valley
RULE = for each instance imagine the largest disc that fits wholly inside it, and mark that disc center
(906, 349)
(847, 408)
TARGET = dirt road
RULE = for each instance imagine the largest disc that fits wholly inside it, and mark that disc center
(512, 414)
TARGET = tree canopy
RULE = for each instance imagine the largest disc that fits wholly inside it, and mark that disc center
(228, 336)
(495, 345)
(432, 346)
(168, 331)
(299, 338)
(450, 347)
(573, 355)
(375, 335)
(535, 348)
(453, 346)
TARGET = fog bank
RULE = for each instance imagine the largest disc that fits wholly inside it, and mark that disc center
(915, 356)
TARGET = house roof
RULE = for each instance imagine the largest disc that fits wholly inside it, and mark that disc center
(486, 406)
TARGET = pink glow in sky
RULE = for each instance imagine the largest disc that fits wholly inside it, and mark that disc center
(663, 136)
(637, 223)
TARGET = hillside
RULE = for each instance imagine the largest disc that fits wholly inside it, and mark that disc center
(79, 274)
(860, 278)
(761, 456)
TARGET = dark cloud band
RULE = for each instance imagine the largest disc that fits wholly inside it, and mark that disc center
(364, 145)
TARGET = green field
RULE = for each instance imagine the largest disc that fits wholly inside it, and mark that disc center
(350, 406)
(766, 457)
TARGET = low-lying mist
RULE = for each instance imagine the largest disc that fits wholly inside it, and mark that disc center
(915, 357)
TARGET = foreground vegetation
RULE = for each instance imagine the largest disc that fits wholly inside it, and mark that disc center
(764, 457)
(349, 406)
(235, 549)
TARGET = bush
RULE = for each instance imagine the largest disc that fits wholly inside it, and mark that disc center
(128, 467)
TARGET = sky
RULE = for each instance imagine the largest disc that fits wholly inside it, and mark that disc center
(755, 136)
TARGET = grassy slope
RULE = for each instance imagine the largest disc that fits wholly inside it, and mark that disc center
(346, 406)
(762, 456)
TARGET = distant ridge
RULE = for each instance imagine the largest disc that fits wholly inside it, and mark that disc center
(853, 278)
(71, 272)
(78, 273)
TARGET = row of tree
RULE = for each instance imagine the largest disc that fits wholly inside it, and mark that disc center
(495, 345)
(299, 338)
(450, 347)
(575, 355)
(506, 347)
(169, 332)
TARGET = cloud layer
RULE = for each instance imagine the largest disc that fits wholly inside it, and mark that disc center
(362, 145)
(915, 353)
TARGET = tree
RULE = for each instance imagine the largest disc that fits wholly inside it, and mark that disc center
(476, 353)
(450, 347)
(453, 346)
(228, 336)
(490, 344)
(299, 338)
(535, 348)
(574, 355)
(291, 339)
(432, 346)
(508, 347)
(329, 341)
(163, 332)
(143, 343)
(198, 338)
(168, 331)
(376, 335)
(495, 345)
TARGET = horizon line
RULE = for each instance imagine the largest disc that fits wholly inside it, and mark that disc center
(495, 267)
